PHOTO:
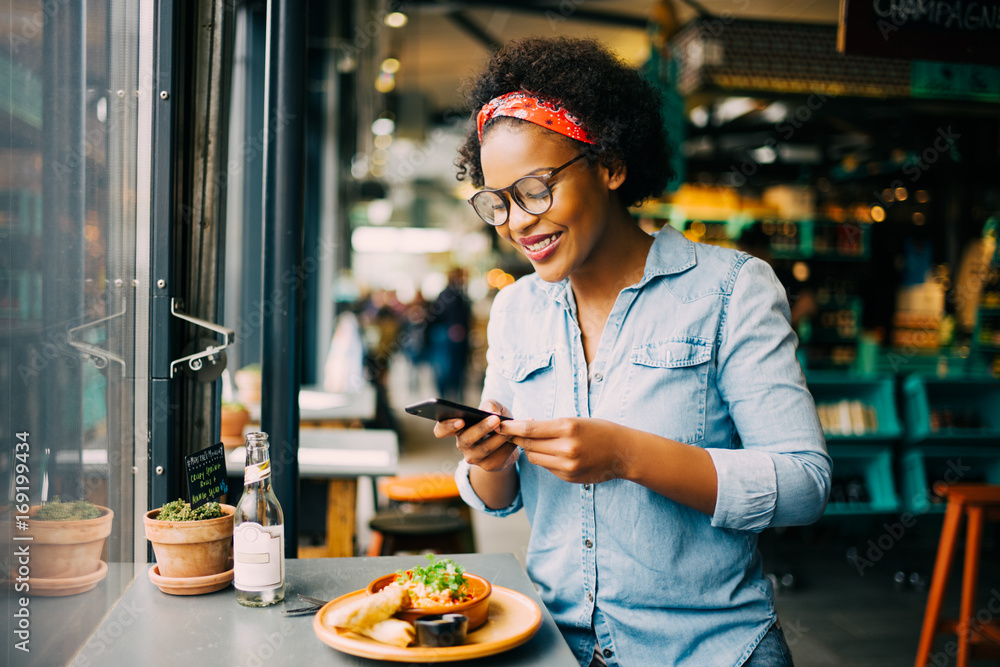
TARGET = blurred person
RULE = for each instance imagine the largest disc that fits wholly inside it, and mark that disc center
(413, 337)
(661, 420)
(448, 320)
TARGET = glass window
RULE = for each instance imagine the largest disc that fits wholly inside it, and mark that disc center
(68, 285)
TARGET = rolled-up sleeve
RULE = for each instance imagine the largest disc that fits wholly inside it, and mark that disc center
(474, 501)
(781, 476)
(495, 388)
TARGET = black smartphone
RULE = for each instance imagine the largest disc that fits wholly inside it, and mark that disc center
(440, 410)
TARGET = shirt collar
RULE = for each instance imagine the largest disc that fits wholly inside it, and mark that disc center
(672, 252)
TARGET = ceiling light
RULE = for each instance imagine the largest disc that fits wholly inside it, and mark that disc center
(732, 108)
(385, 82)
(776, 112)
(396, 19)
(383, 126)
(764, 155)
(379, 211)
(699, 116)
(409, 240)
(390, 65)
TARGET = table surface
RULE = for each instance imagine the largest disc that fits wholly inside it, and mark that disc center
(214, 629)
(315, 404)
(336, 452)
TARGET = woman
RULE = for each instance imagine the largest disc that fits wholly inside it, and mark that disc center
(661, 420)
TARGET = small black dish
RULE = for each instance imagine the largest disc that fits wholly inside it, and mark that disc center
(441, 630)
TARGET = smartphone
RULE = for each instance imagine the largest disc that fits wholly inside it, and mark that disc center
(441, 410)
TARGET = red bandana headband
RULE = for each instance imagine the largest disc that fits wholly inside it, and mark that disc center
(546, 113)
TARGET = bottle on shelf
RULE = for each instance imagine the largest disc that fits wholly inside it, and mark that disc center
(259, 535)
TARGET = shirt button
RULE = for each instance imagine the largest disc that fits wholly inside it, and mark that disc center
(598, 377)
(586, 487)
(608, 653)
(588, 543)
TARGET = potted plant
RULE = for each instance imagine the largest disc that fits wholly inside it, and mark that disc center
(191, 543)
(234, 419)
(67, 539)
(248, 383)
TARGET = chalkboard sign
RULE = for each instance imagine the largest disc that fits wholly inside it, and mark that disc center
(206, 475)
(948, 30)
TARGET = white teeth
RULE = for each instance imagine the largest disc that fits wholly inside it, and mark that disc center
(535, 247)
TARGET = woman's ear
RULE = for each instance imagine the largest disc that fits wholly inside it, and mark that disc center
(616, 174)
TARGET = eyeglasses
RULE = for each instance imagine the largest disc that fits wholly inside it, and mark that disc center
(531, 193)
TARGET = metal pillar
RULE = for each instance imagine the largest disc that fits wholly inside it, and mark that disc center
(283, 210)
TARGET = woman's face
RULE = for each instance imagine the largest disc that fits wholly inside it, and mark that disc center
(562, 240)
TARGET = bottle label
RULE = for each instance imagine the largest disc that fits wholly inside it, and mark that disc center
(255, 472)
(257, 554)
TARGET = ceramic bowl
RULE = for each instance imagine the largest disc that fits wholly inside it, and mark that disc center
(476, 606)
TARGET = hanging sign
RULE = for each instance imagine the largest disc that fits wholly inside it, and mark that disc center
(941, 30)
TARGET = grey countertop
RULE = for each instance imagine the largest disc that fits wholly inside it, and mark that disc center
(149, 627)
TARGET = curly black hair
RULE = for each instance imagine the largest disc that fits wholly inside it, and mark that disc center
(621, 111)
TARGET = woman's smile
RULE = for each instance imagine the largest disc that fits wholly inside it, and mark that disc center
(540, 246)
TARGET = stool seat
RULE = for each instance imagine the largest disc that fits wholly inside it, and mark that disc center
(977, 636)
(424, 511)
(425, 488)
(418, 524)
(984, 495)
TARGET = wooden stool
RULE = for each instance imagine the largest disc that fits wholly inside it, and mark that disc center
(975, 636)
(424, 512)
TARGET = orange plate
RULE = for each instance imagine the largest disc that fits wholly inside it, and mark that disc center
(513, 620)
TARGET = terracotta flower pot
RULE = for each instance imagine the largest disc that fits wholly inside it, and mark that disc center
(232, 424)
(67, 549)
(191, 548)
(248, 385)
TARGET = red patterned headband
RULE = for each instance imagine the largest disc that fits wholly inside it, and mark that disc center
(549, 114)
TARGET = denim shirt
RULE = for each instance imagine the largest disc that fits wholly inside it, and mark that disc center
(700, 351)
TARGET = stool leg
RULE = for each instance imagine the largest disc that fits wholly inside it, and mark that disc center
(375, 546)
(942, 565)
(970, 580)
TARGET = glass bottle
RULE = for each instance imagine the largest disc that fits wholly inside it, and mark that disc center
(259, 534)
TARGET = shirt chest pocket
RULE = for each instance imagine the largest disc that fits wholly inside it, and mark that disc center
(532, 381)
(667, 388)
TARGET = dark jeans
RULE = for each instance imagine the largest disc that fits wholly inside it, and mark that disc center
(772, 651)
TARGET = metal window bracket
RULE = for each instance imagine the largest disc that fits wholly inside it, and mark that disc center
(98, 355)
(212, 353)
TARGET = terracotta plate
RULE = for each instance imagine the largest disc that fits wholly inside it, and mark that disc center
(70, 586)
(190, 585)
(513, 620)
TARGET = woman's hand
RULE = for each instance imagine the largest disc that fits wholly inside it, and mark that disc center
(574, 449)
(480, 444)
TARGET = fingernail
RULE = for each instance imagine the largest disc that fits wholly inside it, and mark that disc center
(457, 423)
(492, 421)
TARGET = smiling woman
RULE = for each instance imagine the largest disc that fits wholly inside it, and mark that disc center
(652, 381)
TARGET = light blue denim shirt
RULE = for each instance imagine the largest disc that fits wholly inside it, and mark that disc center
(699, 351)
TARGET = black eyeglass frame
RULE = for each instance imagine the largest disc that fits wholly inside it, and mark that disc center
(511, 193)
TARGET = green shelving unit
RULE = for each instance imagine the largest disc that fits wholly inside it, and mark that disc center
(952, 436)
(869, 466)
(952, 410)
(841, 390)
(861, 445)
(927, 471)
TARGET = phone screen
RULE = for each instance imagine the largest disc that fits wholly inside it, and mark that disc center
(440, 409)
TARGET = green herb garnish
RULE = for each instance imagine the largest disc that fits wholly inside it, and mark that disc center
(179, 510)
(77, 510)
(438, 575)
